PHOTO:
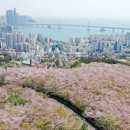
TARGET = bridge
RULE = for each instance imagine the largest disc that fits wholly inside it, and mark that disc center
(88, 27)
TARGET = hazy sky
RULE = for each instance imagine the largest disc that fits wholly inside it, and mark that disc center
(69, 8)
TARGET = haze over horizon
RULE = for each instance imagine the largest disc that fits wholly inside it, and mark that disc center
(114, 9)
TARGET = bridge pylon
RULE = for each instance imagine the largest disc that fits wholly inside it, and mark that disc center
(102, 29)
(122, 30)
(113, 30)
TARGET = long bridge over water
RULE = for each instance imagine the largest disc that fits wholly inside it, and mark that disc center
(87, 27)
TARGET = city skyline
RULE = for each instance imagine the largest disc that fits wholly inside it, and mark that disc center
(70, 8)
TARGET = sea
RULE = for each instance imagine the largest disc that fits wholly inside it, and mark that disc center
(64, 33)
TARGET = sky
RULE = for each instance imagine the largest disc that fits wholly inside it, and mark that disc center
(69, 8)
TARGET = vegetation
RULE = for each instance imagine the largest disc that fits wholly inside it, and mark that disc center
(75, 64)
(109, 122)
(26, 125)
(88, 60)
(28, 83)
(17, 90)
(43, 94)
(1, 125)
(5, 58)
(84, 126)
(79, 104)
(53, 116)
(106, 123)
(41, 125)
(46, 61)
(61, 111)
(16, 99)
(98, 92)
(2, 79)
(2, 104)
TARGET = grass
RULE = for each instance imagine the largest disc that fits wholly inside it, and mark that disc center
(16, 99)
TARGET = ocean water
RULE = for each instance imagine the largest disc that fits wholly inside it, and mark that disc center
(64, 33)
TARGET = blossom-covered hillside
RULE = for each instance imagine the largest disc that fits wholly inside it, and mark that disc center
(25, 109)
(101, 90)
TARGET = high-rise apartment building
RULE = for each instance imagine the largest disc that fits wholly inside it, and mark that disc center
(12, 17)
(9, 40)
(127, 39)
(22, 47)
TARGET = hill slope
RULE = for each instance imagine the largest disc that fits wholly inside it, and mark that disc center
(101, 90)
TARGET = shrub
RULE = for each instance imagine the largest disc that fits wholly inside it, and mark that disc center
(109, 86)
(77, 122)
(129, 92)
(40, 124)
(42, 94)
(26, 125)
(75, 64)
(16, 99)
(84, 126)
(109, 122)
(5, 58)
(40, 89)
(88, 60)
(80, 105)
(61, 128)
(2, 79)
(17, 90)
(2, 104)
(66, 96)
(61, 111)
(109, 61)
(1, 125)
(28, 83)
(98, 92)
